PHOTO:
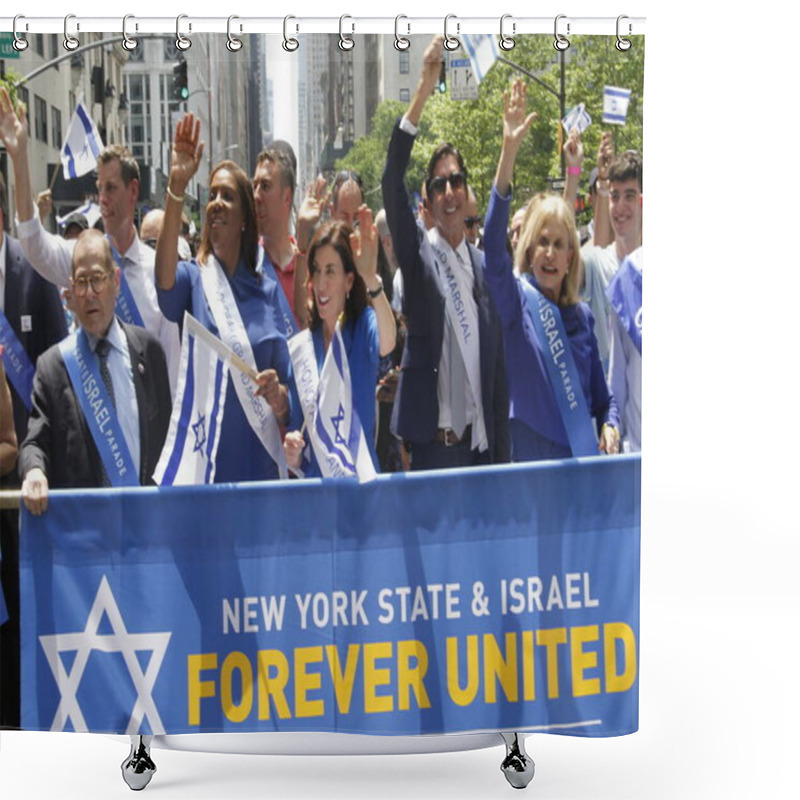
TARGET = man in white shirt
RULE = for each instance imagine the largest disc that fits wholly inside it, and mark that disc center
(118, 192)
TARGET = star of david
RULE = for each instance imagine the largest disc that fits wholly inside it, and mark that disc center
(337, 421)
(120, 641)
(199, 429)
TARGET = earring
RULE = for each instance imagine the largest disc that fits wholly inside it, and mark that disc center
(348, 296)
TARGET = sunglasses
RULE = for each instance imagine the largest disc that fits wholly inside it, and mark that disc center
(471, 222)
(455, 179)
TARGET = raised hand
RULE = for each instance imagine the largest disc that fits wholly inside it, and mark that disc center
(13, 125)
(432, 62)
(364, 242)
(515, 120)
(605, 155)
(187, 150)
(573, 149)
(310, 212)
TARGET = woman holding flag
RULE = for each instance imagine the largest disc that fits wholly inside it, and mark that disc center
(223, 291)
(556, 382)
(351, 326)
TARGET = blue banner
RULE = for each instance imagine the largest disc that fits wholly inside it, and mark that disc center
(440, 602)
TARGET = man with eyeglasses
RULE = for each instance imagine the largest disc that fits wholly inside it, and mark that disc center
(101, 399)
(118, 183)
(451, 406)
(472, 222)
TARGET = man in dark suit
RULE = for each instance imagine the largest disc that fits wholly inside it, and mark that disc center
(452, 400)
(33, 320)
(124, 393)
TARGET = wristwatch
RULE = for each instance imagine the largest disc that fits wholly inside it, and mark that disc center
(373, 293)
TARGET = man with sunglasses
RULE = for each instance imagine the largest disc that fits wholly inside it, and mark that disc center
(472, 222)
(452, 400)
(101, 399)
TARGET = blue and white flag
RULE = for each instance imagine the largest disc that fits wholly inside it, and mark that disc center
(577, 118)
(190, 451)
(615, 104)
(336, 434)
(89, 210)
(82, 144)
(482, 51)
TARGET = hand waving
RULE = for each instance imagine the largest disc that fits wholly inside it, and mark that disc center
(13, 125)
(187, 150)
(515, 120)
(364, 242)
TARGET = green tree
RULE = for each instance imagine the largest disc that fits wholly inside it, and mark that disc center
(475, 126)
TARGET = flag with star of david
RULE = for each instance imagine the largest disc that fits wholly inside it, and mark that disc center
(82, 144)
(336, 433)
(190, 451)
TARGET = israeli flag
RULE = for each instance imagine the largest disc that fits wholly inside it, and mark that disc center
(82, 145)
(190, 451)
(577, 118)
(336, 433)
(615, 104)
(89, 210)
(482, 51)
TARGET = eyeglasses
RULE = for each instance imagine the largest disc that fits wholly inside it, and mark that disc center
(455, 179)
(97, 282)
(471, 222)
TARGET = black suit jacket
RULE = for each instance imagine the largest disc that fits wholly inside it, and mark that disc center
(29, 297)
(416, 407)
(59, 440)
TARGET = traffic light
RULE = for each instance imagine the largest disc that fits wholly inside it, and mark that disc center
(180, 81)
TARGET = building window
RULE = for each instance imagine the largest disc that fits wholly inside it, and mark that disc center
(139, 138)
(405, 95)
(39, 44)
(405, 62)
(57, 140)
(40, 117)
(54, 52)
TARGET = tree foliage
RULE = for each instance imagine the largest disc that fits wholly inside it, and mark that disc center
(476, 126)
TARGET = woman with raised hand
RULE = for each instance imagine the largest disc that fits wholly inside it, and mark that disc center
(346, 299)
(559, 397)
(223, 291)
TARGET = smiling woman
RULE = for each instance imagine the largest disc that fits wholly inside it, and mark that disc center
(224, 291)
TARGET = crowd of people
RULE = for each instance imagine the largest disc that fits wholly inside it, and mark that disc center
(463, 347)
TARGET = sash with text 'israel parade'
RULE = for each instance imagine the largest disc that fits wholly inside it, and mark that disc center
(18, 366)
(101, 418)
(564, 377)
(126, 307)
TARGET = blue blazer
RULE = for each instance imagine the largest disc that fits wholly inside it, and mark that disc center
(27, 294)
(416, 407)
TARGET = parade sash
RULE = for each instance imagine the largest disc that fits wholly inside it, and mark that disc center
(306, 373)
(625, 295)
(126, 307)
(564, 377)
(18, 366)
(232, 331)
(101, 418)
(265, 267)
(463, 318)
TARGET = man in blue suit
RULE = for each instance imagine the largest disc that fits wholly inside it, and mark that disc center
(32, 320)
(451, 407)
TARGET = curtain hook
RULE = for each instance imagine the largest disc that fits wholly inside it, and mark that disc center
(290, 44)
(561, 43)
(70, 42)
(623, 44)
(451, 42)
(345, 42)
(401, 42)
(507, 42)
(20, 44)
(233, 44)
(127, 42)
(181, 42)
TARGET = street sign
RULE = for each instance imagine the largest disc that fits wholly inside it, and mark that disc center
(7, 46)
(463, 85)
